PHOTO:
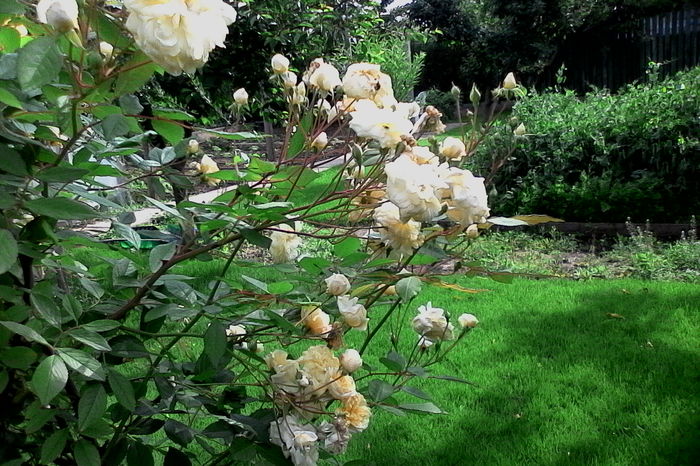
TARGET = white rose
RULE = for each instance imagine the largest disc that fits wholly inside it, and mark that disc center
(468, 199)
(414, 188)
(342, 387)
(431, 324)
(325, 77)
(235, 331)
(62, 15)
(509, 82)
(361, 80)
(296, 440)
(401, 237)
(350, 360)
(354, 314)
(472, 231)
(289, 79)
(192, 146)
(285, 244)
(467, 321)
(320, 142)
(179, 34)
(240, 97)
(337, 284)
(382, 125)
(299, 94)
(453, 148)
(106, 50)
(317, 321)
(280, 64)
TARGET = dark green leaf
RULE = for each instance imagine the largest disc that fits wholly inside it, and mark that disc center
(127, 346)
(12, 162)
(175, 457)
(130, 104)
(8, 251)
(128, 234)
(408, 287)
(392, 409)
(298, 140)
(115, 125)
(256, 238)
(379, 390)
(82, 362)
(92, 405)
(159, 254)
(140, 71)
(417, 392)
(47, 308)
(49, 378)
(92, 339)
(215, 342)
(178, 432)
(394, 361)
(85, 454)
(139, 455)
(122, 389)
(314, 265)
(61, 174)
(255, 282)
(99, 326)
(501, 277)
(421, 407)
(61, 208)
(18, 357)
(92, 287)
(28, 333)
(53, 446)
(38, 63)
(450, 378)
(172, 132)
(172, 114)
(11, 7)
(4, 379)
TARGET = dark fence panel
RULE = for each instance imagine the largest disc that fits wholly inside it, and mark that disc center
(612, 59)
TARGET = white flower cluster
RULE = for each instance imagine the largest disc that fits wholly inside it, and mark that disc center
(304, 387)
(432, 325)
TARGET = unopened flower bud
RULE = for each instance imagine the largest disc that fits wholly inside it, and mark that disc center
(350, 360)
(289, 79)
(509, 82)
(468, 321)
(320, 143)
(456, 91)
(61, 14)
(472, 231)
(475, 95)
(520, 130)
(106, 49)
(390, 291)
(240, 97)
(337, 284)
(192, 146)
(280, 64)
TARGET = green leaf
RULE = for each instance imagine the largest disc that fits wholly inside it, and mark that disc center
(8, 66)
(506, 222)
(4, 379)
(407, 288)
(8, 98)
(140, 71)
(72, 306)
(11, 7)
(255, 282)
(122, 389)
(231, 136)
(92, 405)
(47, 308)
(61, 208)
(215, 342)
(417, 392)
(130, 104)
(159, 254)
(172, 114)
(171, 132)
(18, 357)
(175, 457)
(92, 339)
(28, 333)
(8, 251)
(82, 363)
(53, 446)
(61, 174)
(49, 378)
(115, 125)
(92, 287)
(379, 390)
(12, 162)
(85, 454)
(178, 432)
(256, 238)
(139, 455)
(450, 378)
(347, 246)
(128, 234)
(102, 325)
(421, 407)
(280, 287)
(394, 361)
(298, 140)
(38, 63)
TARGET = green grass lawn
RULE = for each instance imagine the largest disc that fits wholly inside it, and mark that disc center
(558, 381)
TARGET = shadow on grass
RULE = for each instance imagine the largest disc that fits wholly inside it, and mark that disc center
(572, 385)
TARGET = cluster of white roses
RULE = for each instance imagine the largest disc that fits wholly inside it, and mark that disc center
(305, 388)
(432, 325)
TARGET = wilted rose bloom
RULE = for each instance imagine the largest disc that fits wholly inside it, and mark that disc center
(297, 440)
(205, 167)
(240, 97)
(335, 435)
(289, 79)
(235, 331)
(280, 64)
(62, 15)
(430, 120)
(350, 360)
(354, 314)
(431, 324)
(299, 94)
(320, 141)
(452, 148)
(179, 34)
(468, 199)
(509, 82)
(520, 130)
(401, 237)
(285, 244)
(276, 358)
(472, 231)
(325, 77)
(356, 412)
(192, 146)
(414, 188)
(337, 284)
(390, 291)
(320, 366)
(342, 387)
(468, 321)
(106, 50)
(317, 321)
(382, 125)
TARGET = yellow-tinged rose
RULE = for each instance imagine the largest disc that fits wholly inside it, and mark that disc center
(285, 244)
(356, 412)
(452, 148)
(468, 201)
(240, 97)
(179, 35)
(317, 321)
(401, 237)
(472, 231)
(320, 141)
(342, 387)
(354, 314)
(205, 167)
(468, 321)
(320, 366)
(62, 15)
(431, 324)
(276, 358)
(192, 146)
(280, 64)
(383, 125)
(337, 284)
(509, 82)
(361, 80)
(414, 188)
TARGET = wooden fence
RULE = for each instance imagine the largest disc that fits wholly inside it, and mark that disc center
(612, 59)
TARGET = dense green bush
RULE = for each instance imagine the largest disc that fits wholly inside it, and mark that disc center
(608, 157)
